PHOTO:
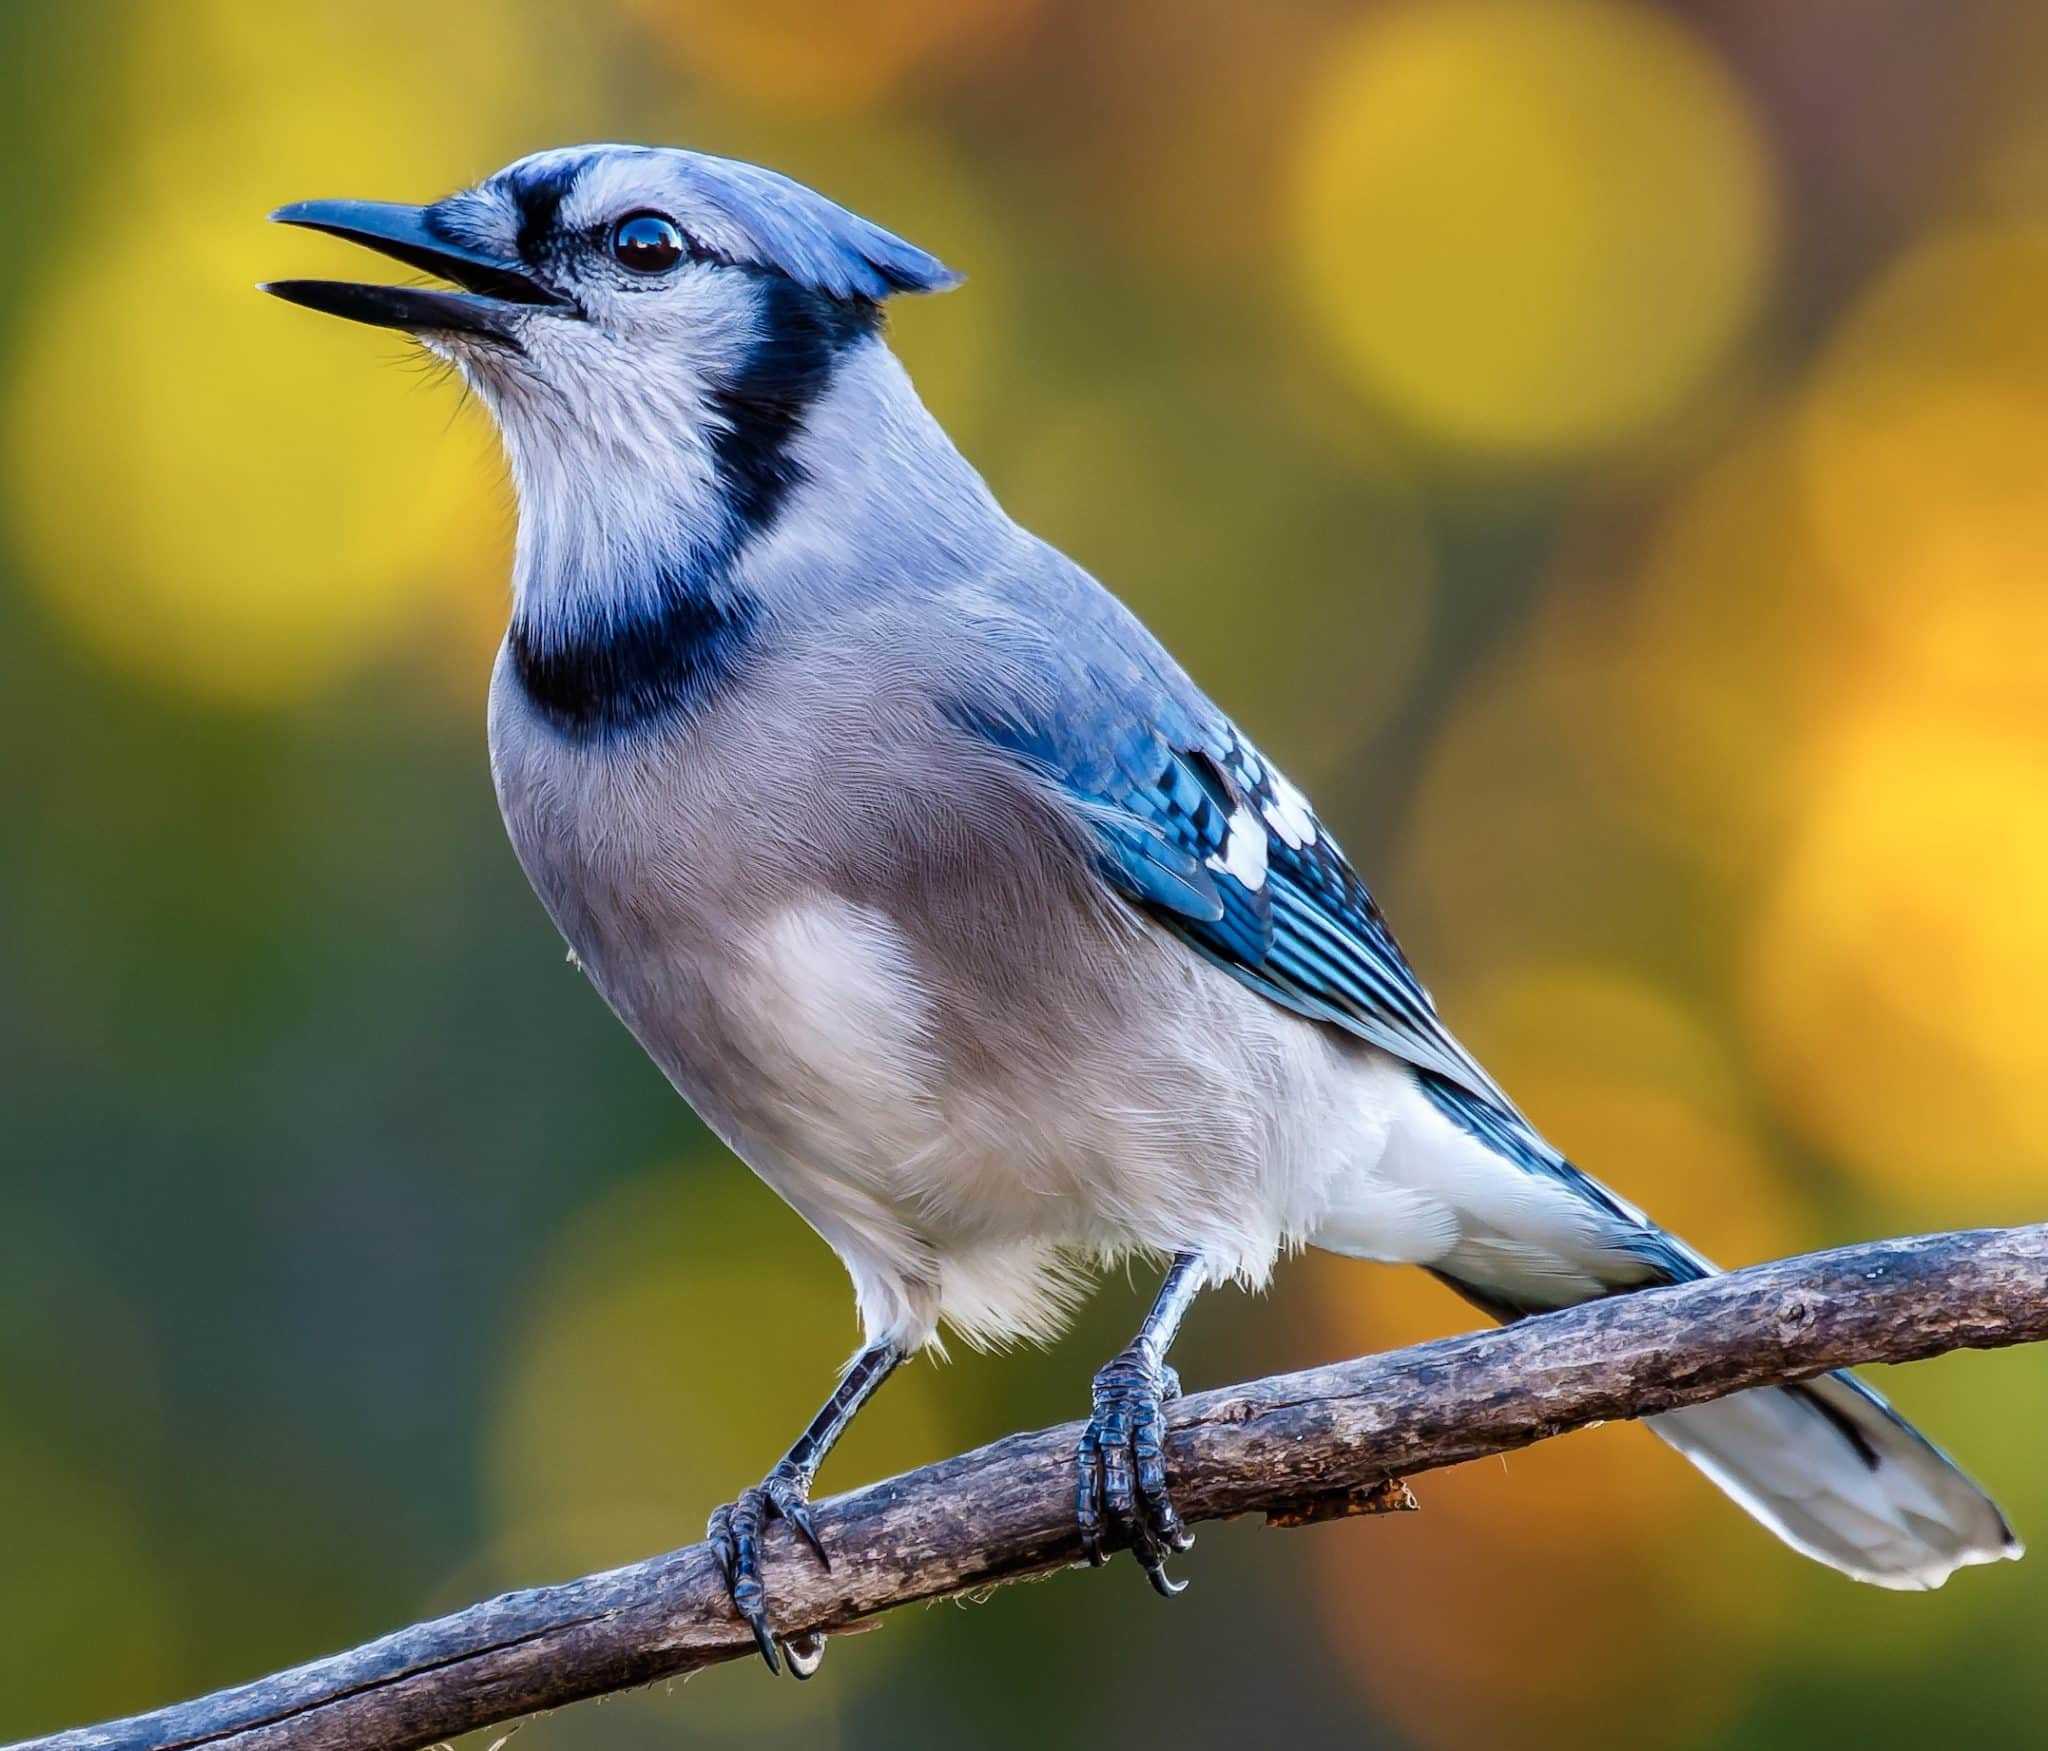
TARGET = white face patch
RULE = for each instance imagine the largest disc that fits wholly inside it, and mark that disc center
(619, 180)
(1288, 813)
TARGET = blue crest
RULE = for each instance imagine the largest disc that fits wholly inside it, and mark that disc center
(815, 241)
(761, 219)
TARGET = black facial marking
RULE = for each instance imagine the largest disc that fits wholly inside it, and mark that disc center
(538, 192)
(761, 407)
(597, 677)
(661, 662)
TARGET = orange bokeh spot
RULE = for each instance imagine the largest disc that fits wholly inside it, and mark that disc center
(1896, 970)
(822, 55)
(1696, 668)
(1926, 466)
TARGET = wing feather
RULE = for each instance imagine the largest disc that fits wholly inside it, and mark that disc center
(1195, 827)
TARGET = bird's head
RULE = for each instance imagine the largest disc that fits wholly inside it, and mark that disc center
(631, 314)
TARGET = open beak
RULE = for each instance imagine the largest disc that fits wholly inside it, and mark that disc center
(497, 295)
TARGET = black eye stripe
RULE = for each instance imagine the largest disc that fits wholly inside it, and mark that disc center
(537, 199)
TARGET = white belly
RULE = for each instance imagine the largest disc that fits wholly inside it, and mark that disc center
(977, 1194)
(1437, 1196)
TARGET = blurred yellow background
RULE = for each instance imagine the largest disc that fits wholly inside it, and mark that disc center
(1600, 447)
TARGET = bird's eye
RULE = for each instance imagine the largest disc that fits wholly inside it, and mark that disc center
(648, 243)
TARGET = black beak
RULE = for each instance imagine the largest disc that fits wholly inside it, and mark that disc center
(497, 294)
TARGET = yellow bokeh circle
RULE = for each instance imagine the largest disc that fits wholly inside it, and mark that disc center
(223, 503)
(1530, 225)
(1925, 452)
(230, 497)
(1897, 971)
(1679, 681)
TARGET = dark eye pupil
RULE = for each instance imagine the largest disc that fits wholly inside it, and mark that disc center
(647, 243)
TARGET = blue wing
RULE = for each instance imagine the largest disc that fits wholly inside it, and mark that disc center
(1196, 828)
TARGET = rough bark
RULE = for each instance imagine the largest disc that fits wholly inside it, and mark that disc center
(1298, 1447)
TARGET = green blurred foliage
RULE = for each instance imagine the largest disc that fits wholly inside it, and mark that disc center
(1601, 447)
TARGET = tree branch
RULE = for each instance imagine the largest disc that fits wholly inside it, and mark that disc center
(1297, 1447)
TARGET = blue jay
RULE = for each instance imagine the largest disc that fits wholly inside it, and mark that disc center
(938, 888)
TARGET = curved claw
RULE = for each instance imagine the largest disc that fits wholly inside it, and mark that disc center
(788, 1499)
(1162, 1583)
(806, 1653)
(1120, 1469)
(735, 1536)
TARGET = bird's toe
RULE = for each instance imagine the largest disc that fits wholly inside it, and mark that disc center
(789, 1496)
(735, 1537)
(1121, 1492)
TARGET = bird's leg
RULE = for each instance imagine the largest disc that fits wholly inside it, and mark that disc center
(735, 1530)
(1120, 1494)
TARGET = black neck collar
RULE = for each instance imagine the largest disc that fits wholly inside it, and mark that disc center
(693, 627)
